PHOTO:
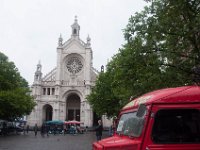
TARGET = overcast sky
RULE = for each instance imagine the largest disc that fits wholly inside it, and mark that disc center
(29, 29)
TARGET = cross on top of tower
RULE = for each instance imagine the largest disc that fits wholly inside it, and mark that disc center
(75, 20)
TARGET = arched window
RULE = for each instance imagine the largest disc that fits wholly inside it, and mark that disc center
(74, 32)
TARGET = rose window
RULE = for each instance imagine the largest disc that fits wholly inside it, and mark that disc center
(74, 65)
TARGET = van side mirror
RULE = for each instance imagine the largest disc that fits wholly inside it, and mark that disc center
(141, 110)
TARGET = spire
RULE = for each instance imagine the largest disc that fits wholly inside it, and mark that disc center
(88, 41)
(75, 28)
(60, 40)
(38, 73)
(39, 66)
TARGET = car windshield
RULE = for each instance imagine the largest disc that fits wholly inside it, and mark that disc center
(130, 125)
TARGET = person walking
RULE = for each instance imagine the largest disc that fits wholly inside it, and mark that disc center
(27, 128)
(42, 130)
(99, 130)
(55, 130)
(35, 129)
(47, 127)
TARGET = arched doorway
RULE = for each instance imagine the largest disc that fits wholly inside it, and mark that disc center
(73, 107)
(47, 112)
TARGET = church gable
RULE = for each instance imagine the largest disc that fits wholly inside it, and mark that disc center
(74, 46)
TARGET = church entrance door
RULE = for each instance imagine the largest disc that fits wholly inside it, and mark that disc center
(73, 107)
(47, 112)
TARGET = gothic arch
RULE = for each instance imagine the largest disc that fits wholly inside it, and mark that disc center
(47, 112)
(73, 105)
(67, 93)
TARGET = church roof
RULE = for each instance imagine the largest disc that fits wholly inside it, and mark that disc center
(51, 76)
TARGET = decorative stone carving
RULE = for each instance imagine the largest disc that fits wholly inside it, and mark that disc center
(74, 65)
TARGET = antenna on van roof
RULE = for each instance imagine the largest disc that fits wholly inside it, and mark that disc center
(196, 74)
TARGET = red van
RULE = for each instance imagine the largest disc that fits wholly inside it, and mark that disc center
(166, 119)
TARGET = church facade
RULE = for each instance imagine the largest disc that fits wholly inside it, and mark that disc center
(61, 94)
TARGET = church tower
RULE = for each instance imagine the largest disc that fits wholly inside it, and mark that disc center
(61, 94)
(75, 28)
(38, 73)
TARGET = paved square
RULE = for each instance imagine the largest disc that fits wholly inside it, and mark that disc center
(53, 142)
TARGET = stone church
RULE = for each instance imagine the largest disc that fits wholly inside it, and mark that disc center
(61, 94)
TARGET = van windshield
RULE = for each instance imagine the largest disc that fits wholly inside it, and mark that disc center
(129, 124)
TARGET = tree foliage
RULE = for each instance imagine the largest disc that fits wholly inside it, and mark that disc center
(15, 100)
(103, 97)
(162, 46)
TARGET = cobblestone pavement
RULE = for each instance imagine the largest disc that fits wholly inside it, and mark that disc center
(53, 142)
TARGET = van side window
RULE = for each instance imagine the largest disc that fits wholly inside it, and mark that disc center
(176, 126)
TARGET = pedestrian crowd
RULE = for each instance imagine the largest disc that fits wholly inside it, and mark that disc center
(55, 129)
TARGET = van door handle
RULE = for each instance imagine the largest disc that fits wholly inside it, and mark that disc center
(147, 148)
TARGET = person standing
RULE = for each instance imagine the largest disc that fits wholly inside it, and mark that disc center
(99, 130)
(23, 127)
(86, 128)
(111, 130)
(64, 129)
(35, 129)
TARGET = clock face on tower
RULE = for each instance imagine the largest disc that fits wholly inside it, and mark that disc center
(74, 65)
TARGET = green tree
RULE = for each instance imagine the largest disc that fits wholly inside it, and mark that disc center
(162, 46)
(169, 29)
(102, 97)
(15, 99)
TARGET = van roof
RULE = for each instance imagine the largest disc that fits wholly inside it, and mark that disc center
(184, 94)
